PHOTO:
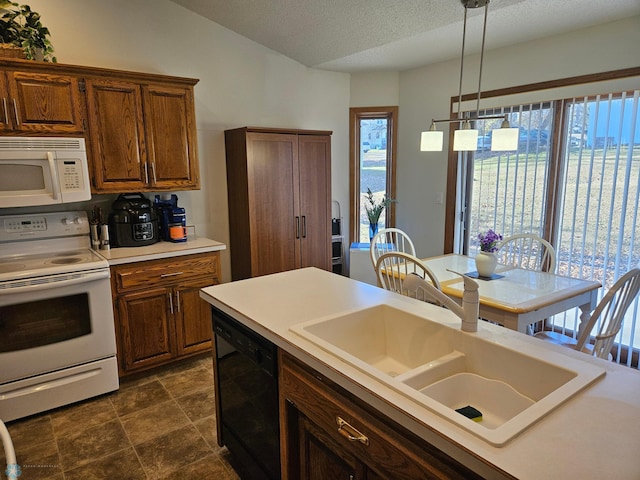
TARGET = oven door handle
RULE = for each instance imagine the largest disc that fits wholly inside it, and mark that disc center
(55, 281)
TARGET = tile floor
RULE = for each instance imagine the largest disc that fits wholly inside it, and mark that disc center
(159, 426)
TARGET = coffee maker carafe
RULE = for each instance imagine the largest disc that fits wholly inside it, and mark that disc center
(173, 219)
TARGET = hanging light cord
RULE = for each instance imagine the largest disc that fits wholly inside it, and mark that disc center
(464, 36)
(484, 32)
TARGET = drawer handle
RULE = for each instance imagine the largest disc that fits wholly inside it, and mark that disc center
(350, 433)
(164, 275)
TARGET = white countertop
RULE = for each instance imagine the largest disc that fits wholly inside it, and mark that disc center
(121, 255)
(593, 435)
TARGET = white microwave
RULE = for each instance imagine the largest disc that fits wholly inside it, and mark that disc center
(43, 171)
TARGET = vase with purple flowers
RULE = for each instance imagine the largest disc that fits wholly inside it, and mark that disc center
(486, 259)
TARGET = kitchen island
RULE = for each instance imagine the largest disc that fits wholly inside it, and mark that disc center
(592, 435)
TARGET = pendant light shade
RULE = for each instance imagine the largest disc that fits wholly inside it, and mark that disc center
(504, 138)
(431, 140)
(465, 139)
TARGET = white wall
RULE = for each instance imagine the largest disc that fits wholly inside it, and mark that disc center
(425, 94)
(241, 83)
(378, 89)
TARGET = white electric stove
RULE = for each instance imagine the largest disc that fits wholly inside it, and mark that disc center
(57, 338)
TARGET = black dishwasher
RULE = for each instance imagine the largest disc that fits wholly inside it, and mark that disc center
(246, 370)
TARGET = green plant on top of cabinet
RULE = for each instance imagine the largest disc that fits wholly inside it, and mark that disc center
(22, 27)
(142, 135)
(40, 102)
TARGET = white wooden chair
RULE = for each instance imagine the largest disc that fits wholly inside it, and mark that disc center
(390, 240)
(528, 251)
(609, 313)
(393, 267)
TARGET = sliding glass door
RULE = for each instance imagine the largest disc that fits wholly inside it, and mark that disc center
(574, 180)
(597, 232)
(507, 192)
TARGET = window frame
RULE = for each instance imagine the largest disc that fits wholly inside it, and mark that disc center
(558, 122)
(390, 113)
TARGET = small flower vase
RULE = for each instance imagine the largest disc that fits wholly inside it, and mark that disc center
(373, 229)
(486, 263)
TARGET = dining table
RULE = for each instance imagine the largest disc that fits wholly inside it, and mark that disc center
(515, 297)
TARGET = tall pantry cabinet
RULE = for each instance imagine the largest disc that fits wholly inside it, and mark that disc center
(279, 191)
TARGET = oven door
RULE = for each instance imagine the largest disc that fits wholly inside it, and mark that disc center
(55, 322)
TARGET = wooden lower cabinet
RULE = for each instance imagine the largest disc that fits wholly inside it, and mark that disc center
(328, 433)
(192, 336)
(145, 329)
(159, 314)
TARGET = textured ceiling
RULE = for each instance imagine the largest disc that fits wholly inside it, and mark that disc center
(361, 35)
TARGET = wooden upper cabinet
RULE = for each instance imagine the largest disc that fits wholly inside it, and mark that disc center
(40, 103)
(140, 128)
(117, 135)
(143, 136)
(169, 122)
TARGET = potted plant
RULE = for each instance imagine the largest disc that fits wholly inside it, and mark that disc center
(374, 210)
(21, 27)
(486, 260)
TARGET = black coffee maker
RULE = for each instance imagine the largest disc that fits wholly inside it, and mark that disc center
(173, 219)
(133, 222)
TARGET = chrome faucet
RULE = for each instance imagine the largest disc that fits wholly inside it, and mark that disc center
(470, 308)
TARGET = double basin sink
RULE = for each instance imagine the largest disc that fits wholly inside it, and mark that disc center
(444, 369)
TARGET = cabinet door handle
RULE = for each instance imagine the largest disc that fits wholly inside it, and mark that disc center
(146, 173)
(304, 226)
(177, 301)
(170, 302)
(173, 274)
(153, 172)
(6, 112)
(15, 110)
(350, 433)
(297, 227)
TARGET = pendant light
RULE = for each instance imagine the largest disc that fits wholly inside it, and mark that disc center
(466, 138)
